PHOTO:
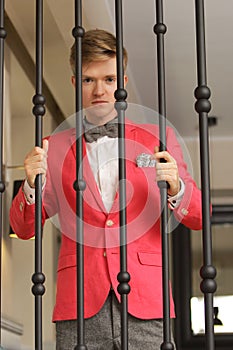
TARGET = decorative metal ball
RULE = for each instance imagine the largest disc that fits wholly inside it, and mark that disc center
(123, 288)
(160, 28)
(121, 105)
(38, 99)
(208, 286)
(3, 33)
(203, 105)
(202, 92)
(2, 187)
(208, 272)
(38, 110)
(78, 32)
(120, 94)
(167, 346)
(38, 289)
(38, 278)
(79, 185)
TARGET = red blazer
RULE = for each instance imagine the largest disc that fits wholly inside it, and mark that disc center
(101, 229)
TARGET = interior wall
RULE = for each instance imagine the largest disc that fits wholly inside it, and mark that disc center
(221, 168)
(18, 255)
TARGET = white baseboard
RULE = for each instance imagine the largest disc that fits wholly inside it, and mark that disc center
(11, 334)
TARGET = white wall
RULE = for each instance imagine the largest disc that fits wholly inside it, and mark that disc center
(18, 255)
(221, 165)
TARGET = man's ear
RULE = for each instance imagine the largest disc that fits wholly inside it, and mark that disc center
(125, 80)
(73, 80)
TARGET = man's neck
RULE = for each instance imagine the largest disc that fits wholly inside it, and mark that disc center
(100, 120)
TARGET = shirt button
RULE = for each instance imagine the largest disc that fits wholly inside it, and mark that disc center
(21, 206)
(109, 223)
(184, 211)
(105, 254)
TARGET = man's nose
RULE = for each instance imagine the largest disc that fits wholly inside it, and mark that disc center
(99, 88)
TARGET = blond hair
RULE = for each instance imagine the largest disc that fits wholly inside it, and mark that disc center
(97, 45)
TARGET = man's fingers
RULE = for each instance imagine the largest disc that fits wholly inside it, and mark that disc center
(35, 163)
(166, 166)
(162, 155)
(165, 155)
(45, 145)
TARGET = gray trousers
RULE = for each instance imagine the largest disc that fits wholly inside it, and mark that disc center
(103, 331)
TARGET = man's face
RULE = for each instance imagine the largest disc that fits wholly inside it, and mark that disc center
(99, 84)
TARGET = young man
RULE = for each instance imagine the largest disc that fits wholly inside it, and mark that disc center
(57, 163)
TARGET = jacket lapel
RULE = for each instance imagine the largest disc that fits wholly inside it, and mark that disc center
(130, 155)
(91, 194)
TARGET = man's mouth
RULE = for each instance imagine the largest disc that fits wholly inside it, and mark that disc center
(98, 102)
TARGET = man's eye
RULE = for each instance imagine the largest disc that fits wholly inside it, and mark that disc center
(110, 80)
(87, 80)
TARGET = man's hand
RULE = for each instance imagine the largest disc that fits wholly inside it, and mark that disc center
(36, 163)
(167, 171)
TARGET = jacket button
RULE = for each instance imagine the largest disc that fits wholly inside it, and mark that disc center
(109, 223)
(184, 211)
(105, 254)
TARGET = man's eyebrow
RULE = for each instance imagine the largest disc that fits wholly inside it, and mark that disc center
(106, 76)
(111, 76)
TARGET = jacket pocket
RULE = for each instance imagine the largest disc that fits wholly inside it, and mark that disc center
(150, 258)
(66, 261)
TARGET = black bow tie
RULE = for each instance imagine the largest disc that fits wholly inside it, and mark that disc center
(92, 132)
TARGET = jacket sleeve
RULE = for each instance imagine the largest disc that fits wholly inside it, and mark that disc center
(22, 216)
(189, 211)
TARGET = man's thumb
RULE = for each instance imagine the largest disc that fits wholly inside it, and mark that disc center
(45, 145)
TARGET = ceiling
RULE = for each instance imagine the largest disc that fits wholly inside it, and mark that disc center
(140, 41)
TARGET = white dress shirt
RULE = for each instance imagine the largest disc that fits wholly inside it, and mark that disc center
(103, 158)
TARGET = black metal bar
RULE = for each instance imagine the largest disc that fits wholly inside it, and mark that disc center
(79, 184)
(38, 277)
(121, 105)
(203, 106)
(160, 30)
(2, 185)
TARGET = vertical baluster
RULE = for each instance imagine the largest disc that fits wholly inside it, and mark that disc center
(79, 184)
(121, 105)
(2, 185)
(203, 106)
(160, 30)
(38, 277)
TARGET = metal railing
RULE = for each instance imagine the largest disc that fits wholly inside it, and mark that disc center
(202, 106)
